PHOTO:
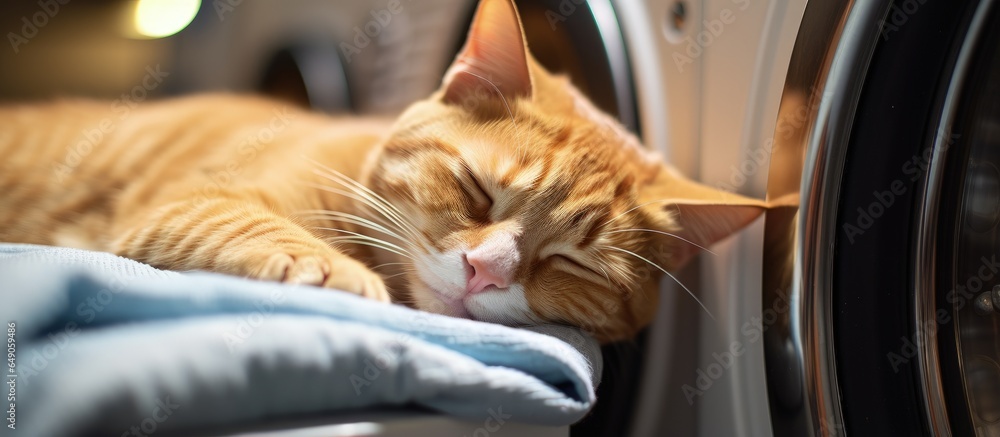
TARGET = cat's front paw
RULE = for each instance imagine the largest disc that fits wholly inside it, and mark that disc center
(338, 271)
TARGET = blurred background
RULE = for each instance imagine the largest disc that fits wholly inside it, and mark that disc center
(335, 56)
(289, 49)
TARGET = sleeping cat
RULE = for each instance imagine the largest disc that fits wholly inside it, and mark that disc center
(503, 197)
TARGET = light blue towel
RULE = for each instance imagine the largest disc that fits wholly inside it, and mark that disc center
(104, 344)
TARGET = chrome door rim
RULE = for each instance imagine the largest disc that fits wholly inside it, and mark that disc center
(850, 32)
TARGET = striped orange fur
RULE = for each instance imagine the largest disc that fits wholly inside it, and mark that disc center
(248, 187)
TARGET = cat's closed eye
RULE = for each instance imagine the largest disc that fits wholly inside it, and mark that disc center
(480, 199)
(566, 261)
(573, 265)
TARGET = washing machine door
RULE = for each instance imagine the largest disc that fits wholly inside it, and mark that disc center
(889, 262)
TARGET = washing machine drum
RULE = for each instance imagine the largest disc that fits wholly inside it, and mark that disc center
(915, 300)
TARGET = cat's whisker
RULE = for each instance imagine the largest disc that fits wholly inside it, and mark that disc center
(366, 202)
(410, 247)
(506, 105)
(619, 271)
(376, 200)
(353, 219)
(403, 270)
(391, 248)
(348, 221)
(354, 196)
(667, 234)
(616, 284)
(365, 237)
(666, 273)
(495, 88)
(333, 213)
(372, 203)
(635, 208)
(361, 189)
(396, 222)
(358, 241)
(606, 276)
(391, 264)
(393, 276)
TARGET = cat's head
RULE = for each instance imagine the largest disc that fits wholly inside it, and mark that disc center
(524, 204)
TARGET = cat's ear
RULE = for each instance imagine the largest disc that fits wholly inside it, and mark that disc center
(693, 212)
(494, 59)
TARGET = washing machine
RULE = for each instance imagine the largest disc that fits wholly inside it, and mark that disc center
(862, 303)
(892, 328)
(865, 301)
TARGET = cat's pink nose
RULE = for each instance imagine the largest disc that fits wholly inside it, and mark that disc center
(485, 271)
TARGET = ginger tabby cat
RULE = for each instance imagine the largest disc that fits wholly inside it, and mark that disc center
(504, 197)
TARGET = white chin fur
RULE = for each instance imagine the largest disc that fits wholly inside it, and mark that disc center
(443, 272)
(507, 307)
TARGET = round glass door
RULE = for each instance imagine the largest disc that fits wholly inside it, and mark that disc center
(969, 268)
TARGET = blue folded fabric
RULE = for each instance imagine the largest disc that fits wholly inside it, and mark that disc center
(104, 344)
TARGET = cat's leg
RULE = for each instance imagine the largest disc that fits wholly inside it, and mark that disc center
(244, 238)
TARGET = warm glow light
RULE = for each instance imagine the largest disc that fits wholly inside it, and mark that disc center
(160, 18)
